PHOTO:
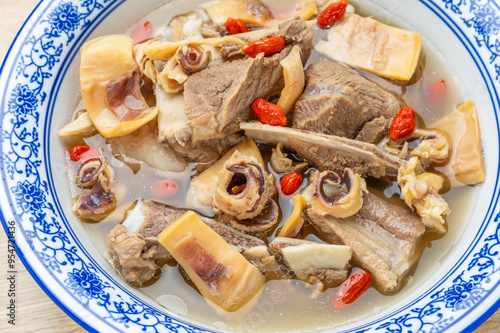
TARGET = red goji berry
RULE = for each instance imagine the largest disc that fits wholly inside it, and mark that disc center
(164, 188)
(235, 26)
(268, 113)
(352, 288)
(333, 13)
(436, 91)
(269, 46)
(142, 32)
(76, 152)
(403, 123)
(290, 183)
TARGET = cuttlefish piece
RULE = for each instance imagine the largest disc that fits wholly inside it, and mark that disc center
(89, 172)
(430, 206)
(323, 265)
(243, 189)
(434, 147)
(98, 202)
(110, 83)
(257, 224)
(192, 58)
(345, 199)
(281, 163)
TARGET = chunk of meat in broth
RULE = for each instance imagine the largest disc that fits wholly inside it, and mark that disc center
(373, 130)
(217, 99)
(382, 236)
(328, 152)
(338, 101)
(135, 249)
(133, 257)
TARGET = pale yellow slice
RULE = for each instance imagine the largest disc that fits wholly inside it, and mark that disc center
(308, 10)
(288, 9)
(249, 11)
(164, 50)
(374, 47)
(106, 60)
(294, 223)
(467, 162)
(221, 273)
(81, 125)
(293, 71)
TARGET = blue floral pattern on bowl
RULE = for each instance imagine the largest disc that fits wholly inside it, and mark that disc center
(23, 159)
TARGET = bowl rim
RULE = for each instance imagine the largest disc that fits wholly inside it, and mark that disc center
(57, 299)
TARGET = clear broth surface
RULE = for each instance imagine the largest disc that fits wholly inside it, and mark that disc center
(283, 305)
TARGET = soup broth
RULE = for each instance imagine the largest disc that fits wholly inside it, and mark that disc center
(286, 304)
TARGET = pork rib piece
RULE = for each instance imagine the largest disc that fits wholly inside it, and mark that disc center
(134, 245)
(327, 152)
(382, 236)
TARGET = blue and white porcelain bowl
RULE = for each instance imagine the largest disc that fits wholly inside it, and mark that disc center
(39, 87)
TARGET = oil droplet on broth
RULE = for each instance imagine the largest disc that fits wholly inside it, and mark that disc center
(173, 303)
(219, 324)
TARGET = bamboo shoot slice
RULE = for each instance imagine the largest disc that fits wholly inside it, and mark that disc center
(293, 71)
(249, 11)
(282, 12)
(374, 47)
(109, 81)
(81, 125)
(294, 223)
(163, 50)
(317, 255)
(221, 274)
(308, 10)
(467, 161)
(300, 254)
